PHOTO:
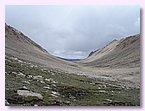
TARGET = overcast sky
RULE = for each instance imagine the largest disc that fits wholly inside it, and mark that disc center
(74, 31)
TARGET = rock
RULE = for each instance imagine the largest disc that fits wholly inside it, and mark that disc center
(42, 82)
(14, 73)
(21, 74)
(29, 76)
(50, 79)
(26, 82)
(6, 102)
(54, 94)
(99, 87)
(108, 100)
(46, 87)
(27, 93)
(24, 87)
(103, 91)
(38, 77)
(20, 61)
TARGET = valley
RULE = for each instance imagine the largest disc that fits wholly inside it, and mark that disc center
(108, 77)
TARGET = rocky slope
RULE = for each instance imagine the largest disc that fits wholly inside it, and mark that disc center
(20, 46)
(118, 53)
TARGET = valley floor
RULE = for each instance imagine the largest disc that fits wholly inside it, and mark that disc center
(30, 84)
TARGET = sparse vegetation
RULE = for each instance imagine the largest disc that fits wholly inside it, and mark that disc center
(61, 88)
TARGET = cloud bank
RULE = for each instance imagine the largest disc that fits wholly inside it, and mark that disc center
(74, 31)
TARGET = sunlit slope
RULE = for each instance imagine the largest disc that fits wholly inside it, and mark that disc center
(20, 46)
(123, 53)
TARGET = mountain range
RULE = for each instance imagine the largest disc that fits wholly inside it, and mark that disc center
(108, 76)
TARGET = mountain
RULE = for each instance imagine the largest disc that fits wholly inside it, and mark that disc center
(118, 53)
(34, 77)
(73, 60)
(22, 47)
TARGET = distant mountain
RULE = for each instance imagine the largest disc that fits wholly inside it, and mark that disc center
(73, 60)
(93, 52)
(118, 53)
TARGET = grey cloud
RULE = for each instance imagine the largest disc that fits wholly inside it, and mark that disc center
(74, 31)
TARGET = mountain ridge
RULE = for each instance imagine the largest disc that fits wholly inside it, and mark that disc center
(21, 46)
(127, 46)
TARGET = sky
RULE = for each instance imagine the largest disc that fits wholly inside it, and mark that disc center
(72, 32)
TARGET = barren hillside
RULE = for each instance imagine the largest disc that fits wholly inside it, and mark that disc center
(123, 53)
(22, 47)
